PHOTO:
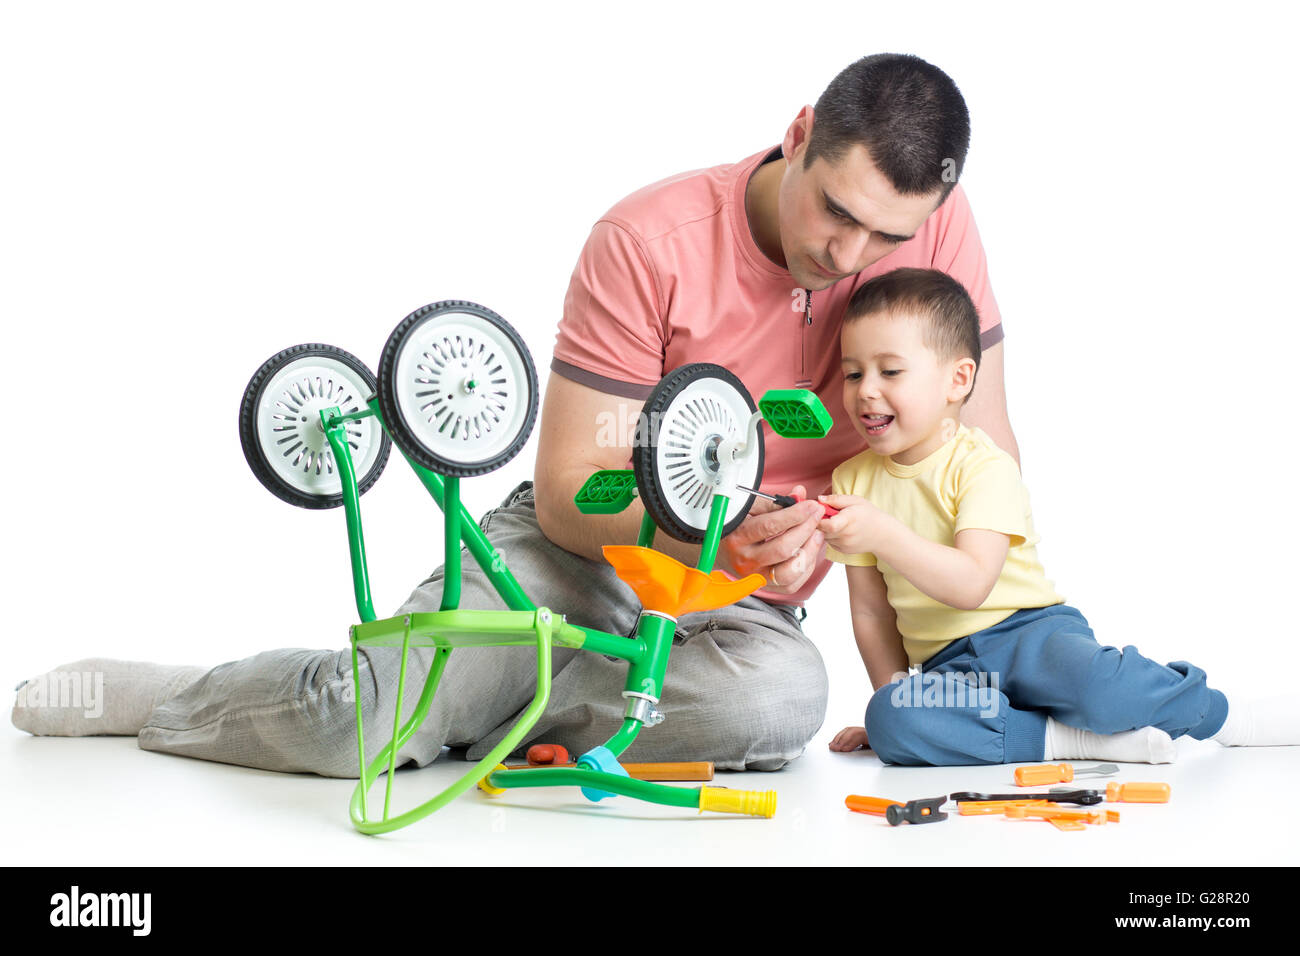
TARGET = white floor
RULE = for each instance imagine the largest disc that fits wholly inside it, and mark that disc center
(102, 801)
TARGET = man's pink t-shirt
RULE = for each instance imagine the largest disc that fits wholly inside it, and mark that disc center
(672, 275)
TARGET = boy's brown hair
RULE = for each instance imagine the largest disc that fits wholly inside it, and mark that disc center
(953, 327)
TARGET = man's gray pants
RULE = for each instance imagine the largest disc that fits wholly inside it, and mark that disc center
(744, 688)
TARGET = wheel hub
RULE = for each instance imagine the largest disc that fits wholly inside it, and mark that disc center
(709, 455)
(698, 412)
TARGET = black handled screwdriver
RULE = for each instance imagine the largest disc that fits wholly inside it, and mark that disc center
(785, 501)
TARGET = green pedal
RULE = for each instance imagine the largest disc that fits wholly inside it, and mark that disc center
(795, 413)
(606, 492)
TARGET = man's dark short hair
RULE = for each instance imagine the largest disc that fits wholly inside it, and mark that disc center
(908, 114)
(952, 323)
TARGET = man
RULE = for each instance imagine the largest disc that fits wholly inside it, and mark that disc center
(749, 266)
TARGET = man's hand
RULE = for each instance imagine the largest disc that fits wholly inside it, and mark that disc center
(849, 739)
(856, 529)
(782, 544)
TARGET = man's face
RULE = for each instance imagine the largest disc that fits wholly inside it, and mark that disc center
(837, 219)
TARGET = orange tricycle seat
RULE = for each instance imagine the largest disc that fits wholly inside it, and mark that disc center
(667, 586)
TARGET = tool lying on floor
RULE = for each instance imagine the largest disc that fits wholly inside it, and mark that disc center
(1060, 773)
(968, 804)
(914, 811)
(554, 755)
(1064, 819)
(986, 808)
(1083, 798)
(1124, 793)
(1016, 805)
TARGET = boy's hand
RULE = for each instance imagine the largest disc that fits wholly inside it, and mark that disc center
(850, 738)
(782, 544)
(856, 529)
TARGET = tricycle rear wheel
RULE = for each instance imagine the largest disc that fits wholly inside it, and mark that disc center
(280, 427)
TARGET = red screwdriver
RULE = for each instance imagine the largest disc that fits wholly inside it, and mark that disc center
(785, 501)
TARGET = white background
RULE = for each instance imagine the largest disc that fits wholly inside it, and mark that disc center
(189, 188)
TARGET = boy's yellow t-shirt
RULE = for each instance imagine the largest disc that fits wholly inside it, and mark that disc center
(969, 482)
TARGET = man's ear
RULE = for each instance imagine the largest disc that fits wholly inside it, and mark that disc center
(797, 135)
(963, 379)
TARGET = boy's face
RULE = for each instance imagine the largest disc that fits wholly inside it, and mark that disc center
(888, 371)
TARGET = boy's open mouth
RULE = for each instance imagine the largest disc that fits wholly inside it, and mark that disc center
(876, 424)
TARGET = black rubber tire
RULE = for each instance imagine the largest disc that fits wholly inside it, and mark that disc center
(645, 451)
(397, 424)
(256, 455)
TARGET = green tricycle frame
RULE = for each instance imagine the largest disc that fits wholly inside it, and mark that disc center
(792, 413)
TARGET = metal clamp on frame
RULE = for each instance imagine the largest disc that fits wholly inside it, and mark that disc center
(642, 707)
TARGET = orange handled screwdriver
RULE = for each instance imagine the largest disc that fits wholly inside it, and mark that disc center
(1121, 793)
(1059, 773)
(1137, 792)
(1044, 773)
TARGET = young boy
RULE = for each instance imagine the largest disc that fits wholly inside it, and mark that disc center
(935, 529)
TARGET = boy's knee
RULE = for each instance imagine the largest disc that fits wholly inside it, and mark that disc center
(890, 728)
(1126, 691)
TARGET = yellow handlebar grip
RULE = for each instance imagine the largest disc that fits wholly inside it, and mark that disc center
(1137, 792)
(1044, 773)
(754, 803)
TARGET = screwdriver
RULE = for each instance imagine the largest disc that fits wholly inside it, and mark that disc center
(1059, 773)
(785, 501)
(1126, 792)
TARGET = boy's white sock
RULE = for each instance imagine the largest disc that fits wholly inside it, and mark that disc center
(97, 696)
(1144, 745)
(1271, 722)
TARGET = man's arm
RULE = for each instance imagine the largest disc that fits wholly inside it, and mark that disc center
(987, 408)
(613, 329)
(961, 254)
(584, 430)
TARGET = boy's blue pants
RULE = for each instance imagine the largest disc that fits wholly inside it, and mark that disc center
(986, 698)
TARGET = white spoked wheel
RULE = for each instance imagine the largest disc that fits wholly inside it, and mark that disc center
(280, 427)
(457, 388)
(687, 416)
